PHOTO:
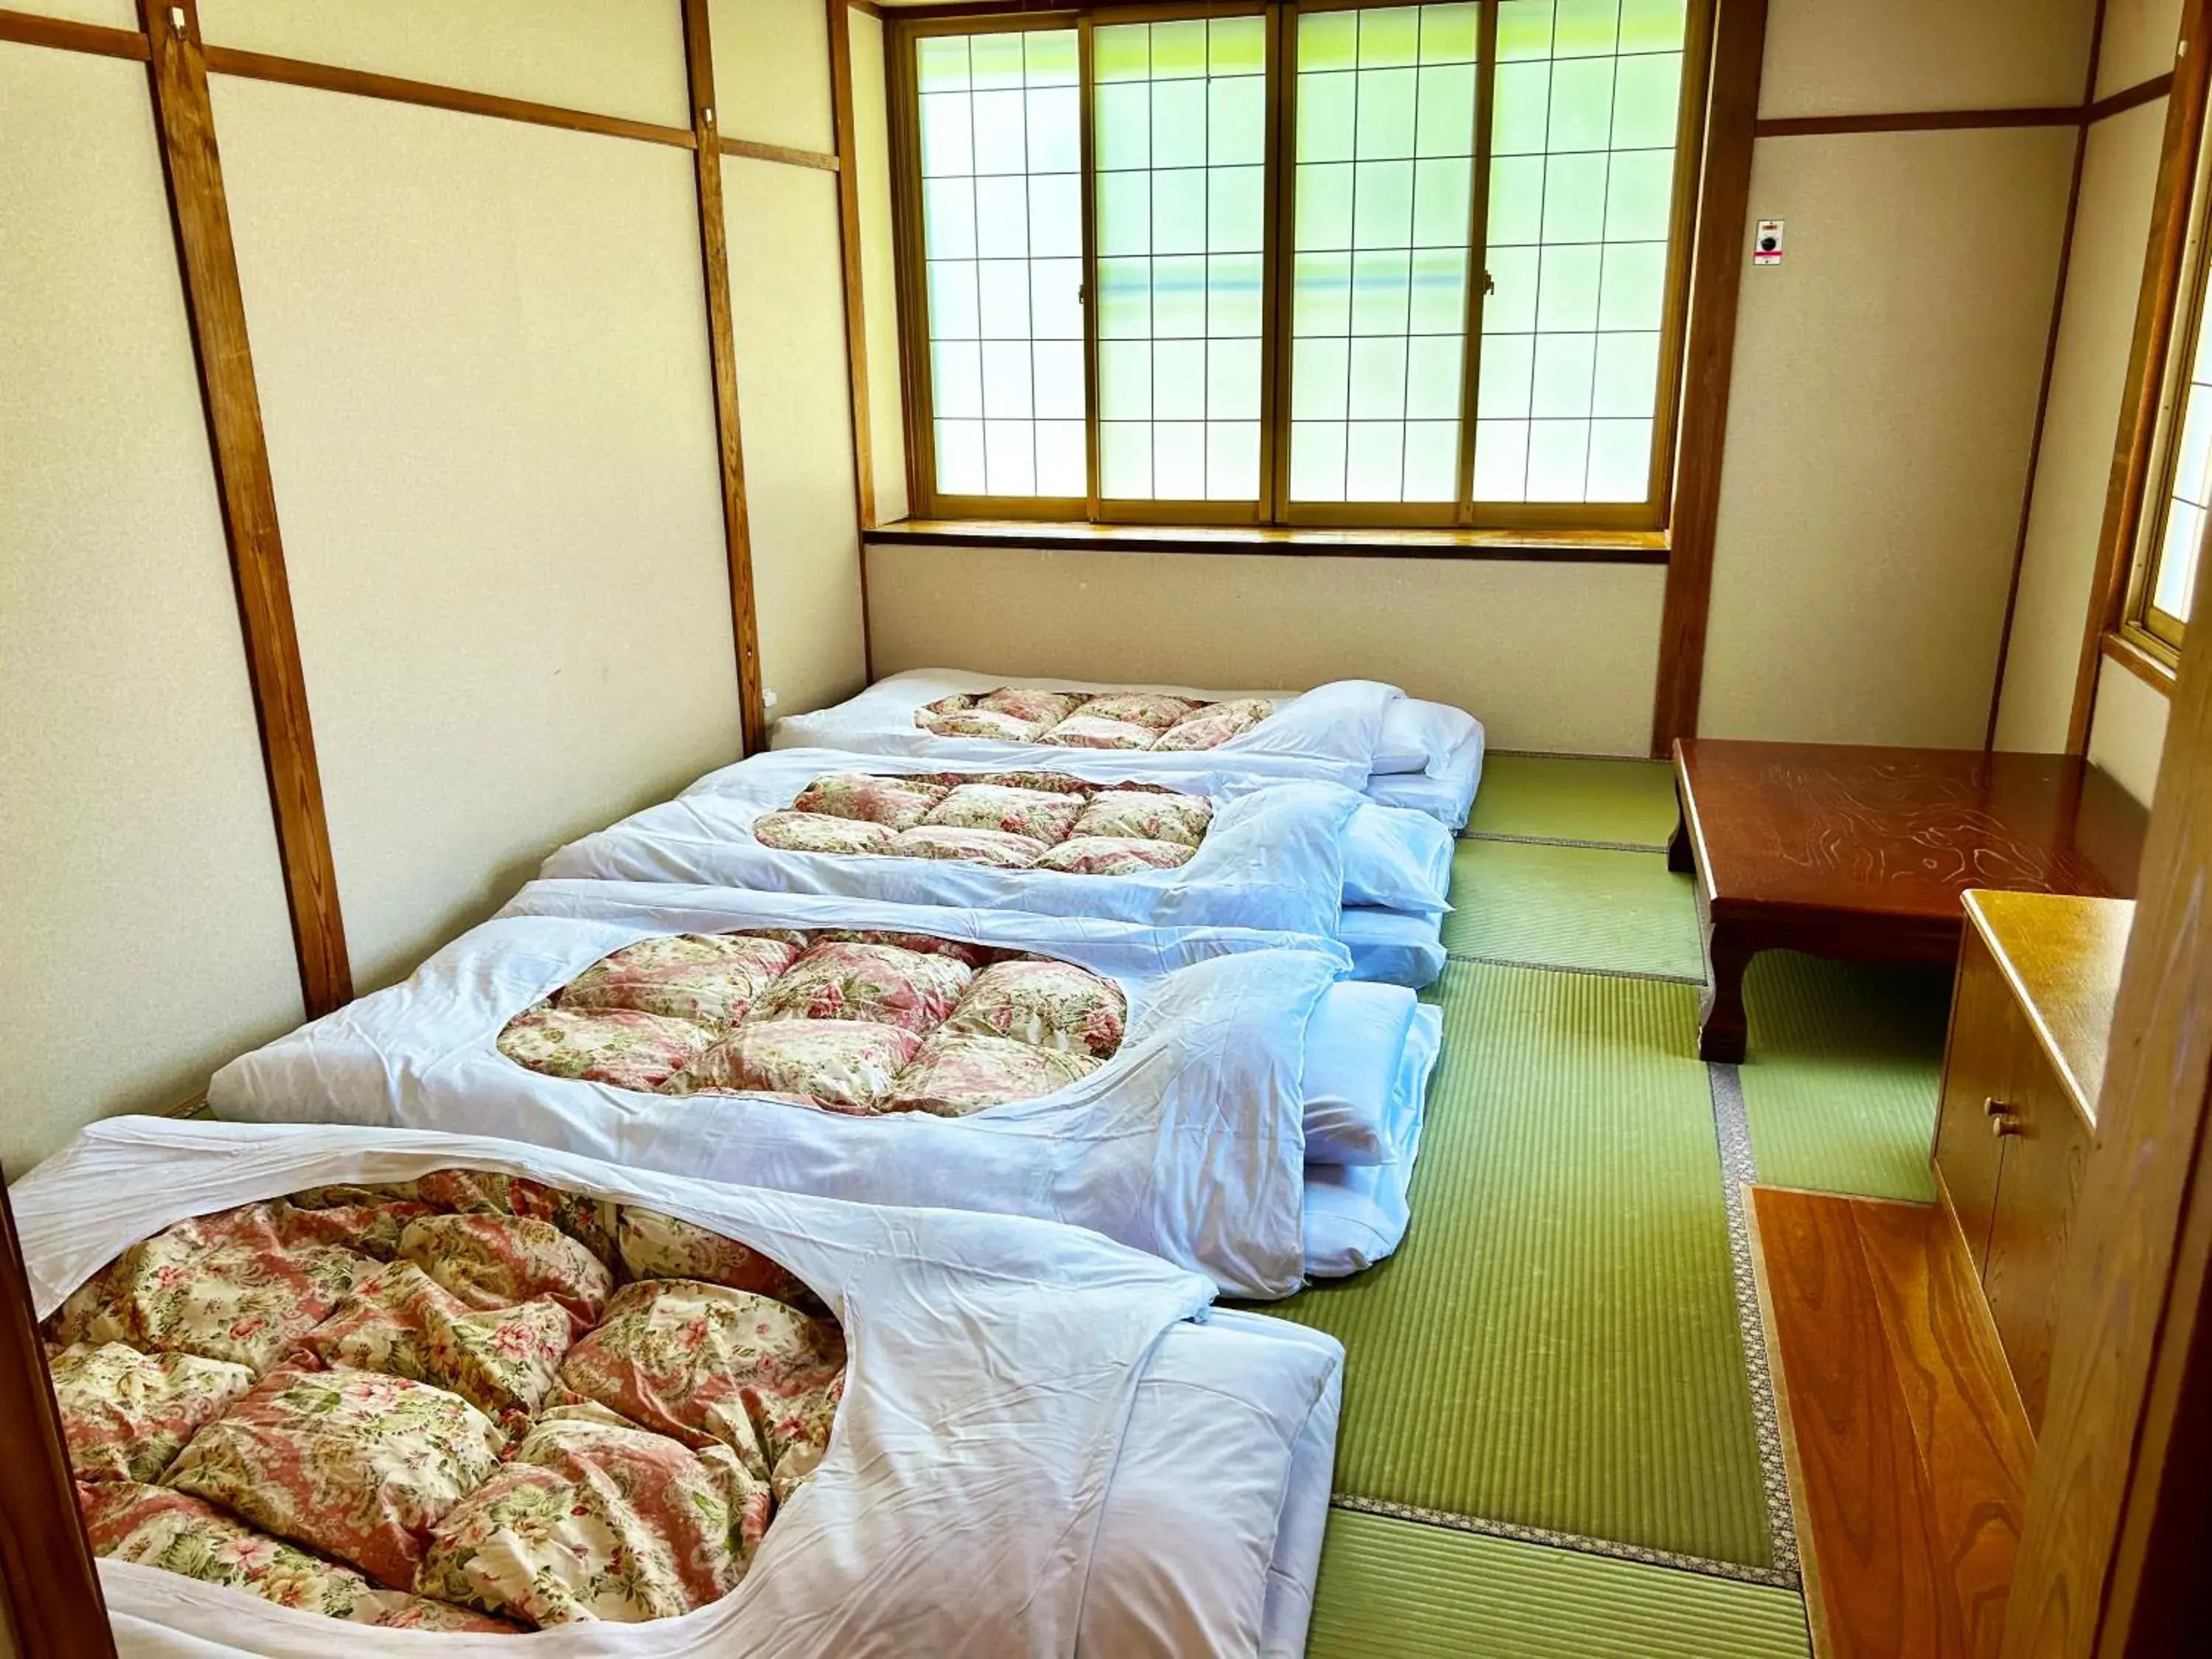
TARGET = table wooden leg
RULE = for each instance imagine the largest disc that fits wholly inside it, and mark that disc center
(1722, 1029)
(1679, 858)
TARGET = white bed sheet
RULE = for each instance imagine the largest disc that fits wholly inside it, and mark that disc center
(1189, 1143)
(1281, 854)
(1065, 1360)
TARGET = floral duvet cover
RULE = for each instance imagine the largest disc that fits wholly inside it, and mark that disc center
(1023, 820)
(857, 1021)
(465, 1402)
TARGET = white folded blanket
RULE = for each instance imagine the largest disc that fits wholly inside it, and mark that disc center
(1279, 855)
(1020, 1400)
(1188, 1142)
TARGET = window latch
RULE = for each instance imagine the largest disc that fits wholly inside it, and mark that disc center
(1488, 284)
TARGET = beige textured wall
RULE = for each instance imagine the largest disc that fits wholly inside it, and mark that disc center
(879, 274)
(144, 940)
(2129, 732)
(2139, 40)
(482, 349)
(1549, 656)
(1886, 381)
(613, 56)
(788, 306)
(772, 70)
(1861, 56)
(2088, 380)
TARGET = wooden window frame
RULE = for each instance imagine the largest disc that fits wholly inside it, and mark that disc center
(2143, 628)
(1272, 509)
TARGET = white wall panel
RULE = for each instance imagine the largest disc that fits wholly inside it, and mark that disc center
(482, 356)
(2139, 40)
(1870, 57)
(2088, 378)
(144, 941)
(2128, 736)
(612, 57)
(772, 71)
(1879, 434)
(794, 399)
(1548, 656)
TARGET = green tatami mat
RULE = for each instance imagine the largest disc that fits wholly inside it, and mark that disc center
(1628, 802)
(1414, 1592)
(1555, 1343)
(1841, 1082)
(1572, 906)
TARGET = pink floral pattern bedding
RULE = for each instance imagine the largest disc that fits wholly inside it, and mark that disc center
(482, 1433)
(1028, 820)
(697, 977)
(856, 1023)
(1108, 720)
(708, 1365)
(240, 1286)
(156, 1527)
(895, 802)
(127, 1414)
(593, 1518)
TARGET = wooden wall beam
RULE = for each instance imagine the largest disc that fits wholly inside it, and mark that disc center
(55, 1609)
(71, 36)
(2112, 1559)
(856, 306)
(1716, 285)
(2162, 285)
(330, 77)
(714, 259)
(216, 308)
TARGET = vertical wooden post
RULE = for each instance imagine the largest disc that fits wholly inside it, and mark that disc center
(1716, 283)
(217, 312)
(2119, 1513)
(714, 259)
(55, 1609)
(856, 304)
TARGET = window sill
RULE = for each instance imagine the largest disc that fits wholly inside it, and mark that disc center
(1554, 546)
(2138, 659)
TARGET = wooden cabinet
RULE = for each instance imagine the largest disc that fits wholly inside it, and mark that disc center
(2026, 1057)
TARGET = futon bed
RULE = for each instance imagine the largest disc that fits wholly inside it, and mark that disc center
(450, 1390)
(1194, 846)
(1167, 1087)
(1397, 750)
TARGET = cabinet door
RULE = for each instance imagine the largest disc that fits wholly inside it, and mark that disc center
(1987, 1036)
(2040, 1177)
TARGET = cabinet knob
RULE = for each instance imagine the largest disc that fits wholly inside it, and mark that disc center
(2003, 1123)
(1995, 1107)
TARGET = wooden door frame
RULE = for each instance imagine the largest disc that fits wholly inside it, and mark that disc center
(2118, 1514)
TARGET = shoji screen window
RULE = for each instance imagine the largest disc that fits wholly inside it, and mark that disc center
(1181, 151)
(999, 126)
(2170, 541)
(1322, 263)
(1580, 228)
(1386, 152)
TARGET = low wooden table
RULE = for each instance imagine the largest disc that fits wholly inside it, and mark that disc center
(1841, 850)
